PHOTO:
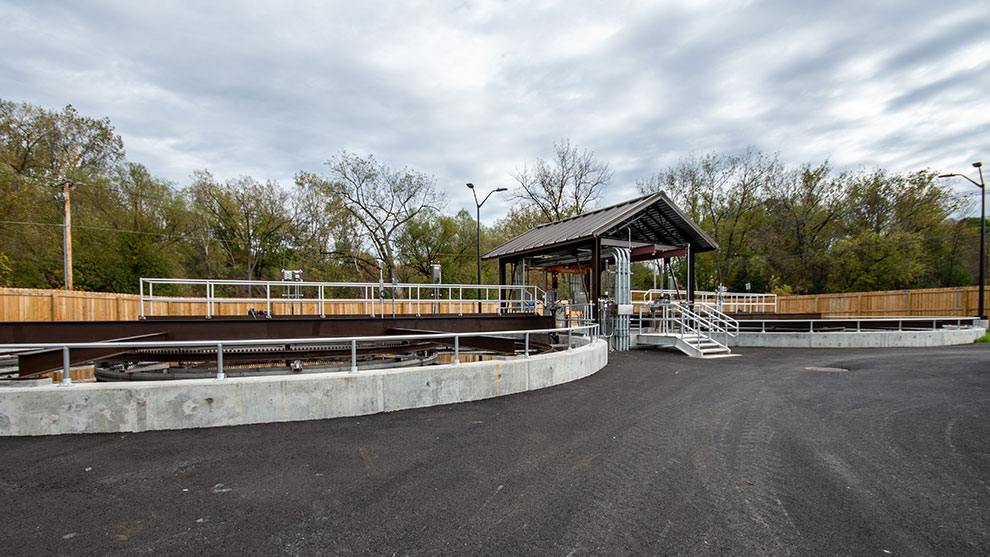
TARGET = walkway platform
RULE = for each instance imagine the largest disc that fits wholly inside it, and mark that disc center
(690, 344)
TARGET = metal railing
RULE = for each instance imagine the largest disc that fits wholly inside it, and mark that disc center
(726, 325)
(575, 336)
(725, 301)
(859, 324)
(704, 323)
(371, 298)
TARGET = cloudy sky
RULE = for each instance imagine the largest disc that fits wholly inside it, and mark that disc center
(468, 91)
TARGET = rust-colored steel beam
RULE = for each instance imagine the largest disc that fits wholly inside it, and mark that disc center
(179, 329)
(37, 362)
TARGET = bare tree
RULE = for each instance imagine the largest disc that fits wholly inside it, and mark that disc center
(381, 199)
(565, 186)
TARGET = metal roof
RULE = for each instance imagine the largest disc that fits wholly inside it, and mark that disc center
(651, 219)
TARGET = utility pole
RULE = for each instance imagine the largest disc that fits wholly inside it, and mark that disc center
(67, 234)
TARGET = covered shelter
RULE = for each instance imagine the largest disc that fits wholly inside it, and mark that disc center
(650, 227)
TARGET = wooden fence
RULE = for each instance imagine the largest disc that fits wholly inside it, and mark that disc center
(27, 304)
(961, 301)
(23, 304)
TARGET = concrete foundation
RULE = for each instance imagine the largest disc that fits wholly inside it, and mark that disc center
(862, 339)
(147, 406)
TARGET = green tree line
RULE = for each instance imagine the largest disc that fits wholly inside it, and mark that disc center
(812, 230)
(806, 229)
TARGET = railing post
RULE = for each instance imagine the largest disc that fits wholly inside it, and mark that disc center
(66, 368)
(220, 374)
(527, 344)
(354, 356)
(268, 298)
(569, 345)
(457, 350)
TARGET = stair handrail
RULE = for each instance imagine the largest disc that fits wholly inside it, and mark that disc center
(699, 331)
(730, 324)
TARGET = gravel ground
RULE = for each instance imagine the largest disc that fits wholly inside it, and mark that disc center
(774, 452)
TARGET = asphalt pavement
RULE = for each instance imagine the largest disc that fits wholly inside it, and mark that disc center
(774, 452)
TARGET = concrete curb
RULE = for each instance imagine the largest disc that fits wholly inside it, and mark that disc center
(862, 339)
(196, 403)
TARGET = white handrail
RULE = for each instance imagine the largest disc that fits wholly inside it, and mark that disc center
(375, 297)
(738, 301)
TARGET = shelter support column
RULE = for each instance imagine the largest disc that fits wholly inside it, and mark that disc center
(501, 282)
(690, 275)
(596, 276)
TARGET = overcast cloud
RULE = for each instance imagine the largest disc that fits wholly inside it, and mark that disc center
(468, 91)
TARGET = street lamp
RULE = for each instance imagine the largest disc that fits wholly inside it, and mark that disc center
(983, 232)
(478, 220)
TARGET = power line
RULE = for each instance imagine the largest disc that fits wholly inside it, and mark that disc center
(105, 229)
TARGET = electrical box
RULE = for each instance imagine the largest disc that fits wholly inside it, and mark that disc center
(435, 272)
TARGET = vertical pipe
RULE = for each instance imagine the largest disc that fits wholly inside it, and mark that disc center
(457, 350)
(220, 374)
(66, 368)
(353, 356)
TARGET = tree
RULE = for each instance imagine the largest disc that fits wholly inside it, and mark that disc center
(565, 186)
(324, 245)
(39, 150)
(437, 238)
(382, 200)
(725, 196)
(805, 212)
(887, 222)
(248, 219)
(130, 225)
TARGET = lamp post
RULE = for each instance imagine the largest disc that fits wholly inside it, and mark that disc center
(983, 232)
(478, 220)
